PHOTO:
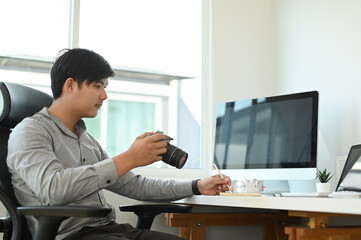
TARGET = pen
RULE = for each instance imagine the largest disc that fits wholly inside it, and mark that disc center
(214, 164)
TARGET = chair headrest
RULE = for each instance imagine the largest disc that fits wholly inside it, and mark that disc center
(18, 102)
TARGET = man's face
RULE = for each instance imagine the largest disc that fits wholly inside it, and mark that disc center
(89, 98)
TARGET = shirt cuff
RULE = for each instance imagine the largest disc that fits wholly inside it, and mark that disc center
(107, 174)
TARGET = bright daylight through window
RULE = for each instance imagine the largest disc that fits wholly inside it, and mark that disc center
(155, 48)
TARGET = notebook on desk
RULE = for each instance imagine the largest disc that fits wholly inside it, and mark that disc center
(349, 184)
(350, 178)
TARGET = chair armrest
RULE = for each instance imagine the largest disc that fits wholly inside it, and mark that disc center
(50, 217)
(64, 211)
(147, 212)
(169, 208)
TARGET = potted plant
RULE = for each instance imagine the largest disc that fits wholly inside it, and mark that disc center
(324, 177)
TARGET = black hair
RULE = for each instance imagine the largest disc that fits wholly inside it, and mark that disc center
(79, 64)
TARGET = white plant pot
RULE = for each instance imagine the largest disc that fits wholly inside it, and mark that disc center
(323, 187)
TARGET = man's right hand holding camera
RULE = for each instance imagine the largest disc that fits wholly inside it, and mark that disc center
(145, 150)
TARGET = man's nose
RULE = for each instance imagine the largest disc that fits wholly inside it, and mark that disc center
(104, 95)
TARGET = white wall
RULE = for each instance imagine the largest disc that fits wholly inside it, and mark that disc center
(238, 56)
(260, 48)
(241, 48)
(317, 45)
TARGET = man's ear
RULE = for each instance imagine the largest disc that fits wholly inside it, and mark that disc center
(69, 85)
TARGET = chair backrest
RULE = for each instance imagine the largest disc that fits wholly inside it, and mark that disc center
(16, 103)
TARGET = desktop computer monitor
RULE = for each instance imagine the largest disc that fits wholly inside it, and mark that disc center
(270, 138)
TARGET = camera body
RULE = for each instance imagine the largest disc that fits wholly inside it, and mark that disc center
(174, 156)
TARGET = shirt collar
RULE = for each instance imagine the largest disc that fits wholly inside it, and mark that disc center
(80, 125)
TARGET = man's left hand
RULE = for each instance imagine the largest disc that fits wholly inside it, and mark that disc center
(213, 185)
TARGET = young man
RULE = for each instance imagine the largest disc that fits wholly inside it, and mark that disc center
(54, 161)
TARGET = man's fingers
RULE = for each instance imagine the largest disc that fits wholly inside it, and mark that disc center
(157, 137)
(160, 144)
(144, 135)
(219, 180)
(161, 151)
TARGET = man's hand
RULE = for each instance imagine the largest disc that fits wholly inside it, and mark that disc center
(144, 151)
(214, 185)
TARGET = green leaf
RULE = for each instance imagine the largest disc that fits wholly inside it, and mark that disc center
(324, 176)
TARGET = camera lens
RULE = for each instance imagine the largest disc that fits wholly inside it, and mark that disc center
(175, 156)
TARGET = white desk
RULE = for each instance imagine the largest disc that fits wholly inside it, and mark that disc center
(309, 204)
(317, 209)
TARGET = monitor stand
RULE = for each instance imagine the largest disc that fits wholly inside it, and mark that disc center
(275, 186)
(295, 186)
(301, 186)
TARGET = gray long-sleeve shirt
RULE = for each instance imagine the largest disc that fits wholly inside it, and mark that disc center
(50, 165)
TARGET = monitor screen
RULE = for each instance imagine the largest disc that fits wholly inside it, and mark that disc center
(278, 132)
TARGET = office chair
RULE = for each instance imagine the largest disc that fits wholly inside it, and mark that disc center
(16, 103)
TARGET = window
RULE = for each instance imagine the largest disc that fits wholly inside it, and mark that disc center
(154, 47)
(172, 29)
(158, 35)
(127, 119)
(36, 29)
(124, 116)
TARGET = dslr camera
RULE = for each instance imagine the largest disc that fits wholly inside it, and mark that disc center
(174, 156)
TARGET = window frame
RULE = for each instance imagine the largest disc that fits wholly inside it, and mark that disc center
(168, 86)
(119, 96)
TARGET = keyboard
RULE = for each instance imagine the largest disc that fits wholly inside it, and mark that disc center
(345, 194)
(304, 194)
